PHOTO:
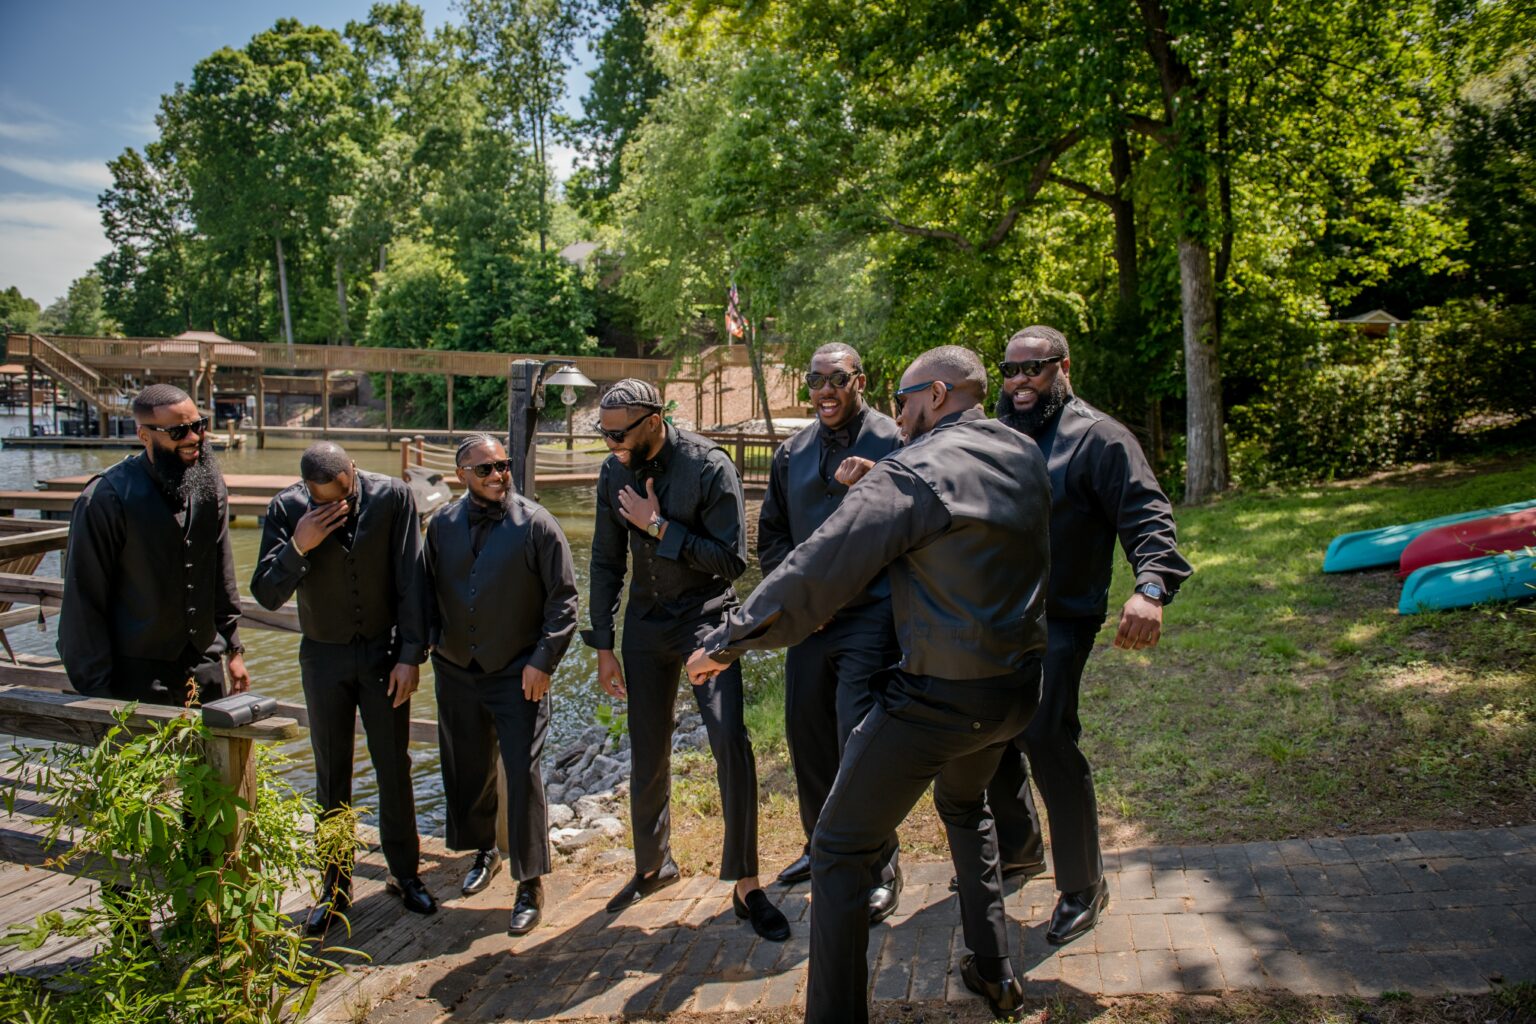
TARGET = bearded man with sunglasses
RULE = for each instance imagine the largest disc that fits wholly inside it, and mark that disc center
(1102, 488)
(670, 502)
(826, 675)
(151, 604)
(503, 614)
(348, 543)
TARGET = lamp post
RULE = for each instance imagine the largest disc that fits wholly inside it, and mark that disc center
(526, 381)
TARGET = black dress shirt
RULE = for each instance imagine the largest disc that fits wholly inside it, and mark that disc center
(365, 579)
(145, 577)
(1103, 488)
(688, 573)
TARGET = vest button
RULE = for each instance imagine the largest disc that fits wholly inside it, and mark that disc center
(975, 725)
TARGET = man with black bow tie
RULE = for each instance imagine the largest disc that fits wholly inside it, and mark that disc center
(826, 675)
(503, 614)
(349, 543)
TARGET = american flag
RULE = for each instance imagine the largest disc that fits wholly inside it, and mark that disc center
(735, 323)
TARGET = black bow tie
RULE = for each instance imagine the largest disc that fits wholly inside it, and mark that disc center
(842, 437)
(481, 513)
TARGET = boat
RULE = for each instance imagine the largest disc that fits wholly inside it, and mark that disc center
(1507, 576)
(1472, 539)
(1370, 549)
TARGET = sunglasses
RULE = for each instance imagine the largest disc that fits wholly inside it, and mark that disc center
(838, 379)
(912, 389)
(485, 469)
(618, 436)
(1029, 367)
(180, 431)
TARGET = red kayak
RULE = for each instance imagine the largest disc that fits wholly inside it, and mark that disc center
(1469, 540)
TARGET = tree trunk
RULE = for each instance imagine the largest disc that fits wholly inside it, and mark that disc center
(1128, 274)
(755, 357)
(1205, 472)
(341, 303)
(282, 292)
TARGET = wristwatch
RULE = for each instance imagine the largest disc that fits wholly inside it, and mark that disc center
(654, 526)
(1154, 592)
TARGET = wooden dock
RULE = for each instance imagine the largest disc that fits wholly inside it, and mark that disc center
(219, 443)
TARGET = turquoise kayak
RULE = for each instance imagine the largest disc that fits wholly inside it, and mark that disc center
(1370, 549)
(1507, 576)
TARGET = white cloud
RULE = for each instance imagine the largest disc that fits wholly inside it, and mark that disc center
(82, 174)
(28, 131)
(563, 161)
(49, 241)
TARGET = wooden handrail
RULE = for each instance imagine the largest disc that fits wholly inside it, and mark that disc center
(48, 591)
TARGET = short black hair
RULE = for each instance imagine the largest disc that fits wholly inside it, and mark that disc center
(1049, 335)
(323, 462)
(469, 444)
(631, 392)
(957, 366)
(838, 348)
(157, 396)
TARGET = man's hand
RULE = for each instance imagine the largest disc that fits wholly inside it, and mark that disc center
(535, 683)
(317, 524)
(702, 668)
(852, 469)
(239, 678)
(641, 510)
(1141, 624)
(610, 674)
(403, 680)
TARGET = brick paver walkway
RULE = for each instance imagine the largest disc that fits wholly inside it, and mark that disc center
(1421, 912)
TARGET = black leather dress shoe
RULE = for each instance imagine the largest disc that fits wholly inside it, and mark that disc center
(528, 910)
(335, 898)
(799, 871)
(767, 920)
(884, 899)
(1076, 913)
(1003, 997)
(487, 863)
(1011, 873)
(413, 894)
(639, 887)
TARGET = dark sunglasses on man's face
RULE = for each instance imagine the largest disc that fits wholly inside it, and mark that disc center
(179, 431)
(485, 469)
(1028, 367)
(618, 436)
(838, 379)
(912, 389)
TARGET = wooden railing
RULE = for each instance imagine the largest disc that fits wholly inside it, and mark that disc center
(77, 377)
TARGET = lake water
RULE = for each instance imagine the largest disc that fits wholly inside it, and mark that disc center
(273, 657)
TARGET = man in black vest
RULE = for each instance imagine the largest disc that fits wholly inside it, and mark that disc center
(1102, 488)
(150, 599)
(670, 501)
(959, 516)
(349, 543)
(826, 675)
(504, 611)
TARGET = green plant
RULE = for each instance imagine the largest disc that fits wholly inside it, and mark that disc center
(613, 720)
(192, 880)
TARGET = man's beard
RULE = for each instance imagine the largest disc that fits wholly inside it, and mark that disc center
(1033, 420)
(192, 483)
(504, 502)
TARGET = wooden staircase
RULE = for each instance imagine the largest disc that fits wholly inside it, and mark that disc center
(81, 381)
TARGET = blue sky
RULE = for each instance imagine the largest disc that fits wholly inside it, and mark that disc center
(81, 82)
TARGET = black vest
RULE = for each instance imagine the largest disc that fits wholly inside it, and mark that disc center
(810, 499)
(167, 578)
(490, 607)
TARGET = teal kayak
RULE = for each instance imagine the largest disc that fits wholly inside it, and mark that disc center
(1370, 549)
(1507, 576)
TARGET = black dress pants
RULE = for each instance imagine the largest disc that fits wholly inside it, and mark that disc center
(342, 681)
(653, 670)
(826, 694)
(477, 713)
(166, 682)
(922, 730)
(1061, 771)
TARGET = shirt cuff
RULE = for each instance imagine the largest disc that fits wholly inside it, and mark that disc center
(411, 654)
(232, 639)
(671, 545)
(599, 639)
(290, 559)
(1152, 577)
(715, 645)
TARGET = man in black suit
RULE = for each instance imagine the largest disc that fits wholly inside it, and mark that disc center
(150, 599)
(959, 518)
(670, 501)
(1102, 488)
(349, 543)
(826, 675)
(503, 614)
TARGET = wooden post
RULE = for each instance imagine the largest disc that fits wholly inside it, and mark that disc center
(31, 397)
(389, 400)
(421, 449)
(261, 409)
(235, 761)
(570, 428)
(325, 399)
(449, 378)
(405, 458)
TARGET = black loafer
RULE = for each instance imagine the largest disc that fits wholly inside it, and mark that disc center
(884, 899)
(528, 910)
(639, 887)
(1011, 873)
(335, 899)
(767, 920)
(487, 863)
(1003, 997)
(413, 894)
(799, 871)
(1076, 913)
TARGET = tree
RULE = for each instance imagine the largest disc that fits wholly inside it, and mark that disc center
(17, 312)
